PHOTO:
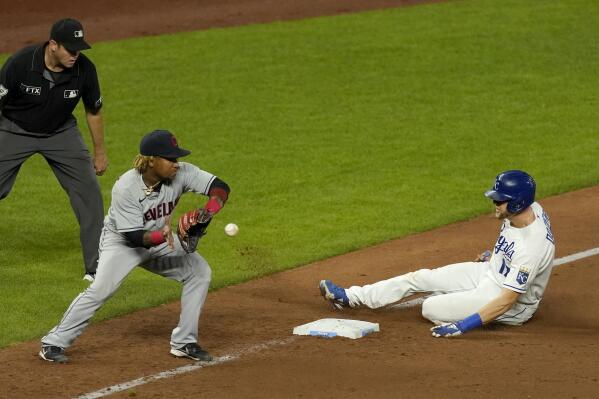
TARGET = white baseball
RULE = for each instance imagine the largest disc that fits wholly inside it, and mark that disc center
(231, 229)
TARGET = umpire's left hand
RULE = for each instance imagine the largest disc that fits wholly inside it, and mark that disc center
(100, 163)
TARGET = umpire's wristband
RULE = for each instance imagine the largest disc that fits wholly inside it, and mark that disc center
(469, 323)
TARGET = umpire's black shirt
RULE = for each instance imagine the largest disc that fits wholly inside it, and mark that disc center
(40, 101)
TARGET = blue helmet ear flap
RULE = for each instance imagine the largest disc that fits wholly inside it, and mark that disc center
(516, 187)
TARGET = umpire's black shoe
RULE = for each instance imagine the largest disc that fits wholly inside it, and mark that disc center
(192, 351)
(53, 354)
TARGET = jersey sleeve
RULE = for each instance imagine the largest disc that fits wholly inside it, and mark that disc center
(521, 273)
(6, 81)
(127, 212)
(91, 96)
(195, 179)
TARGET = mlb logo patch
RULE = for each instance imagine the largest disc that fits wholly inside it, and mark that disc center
(522, 276)
(71, 93)
(3, 91)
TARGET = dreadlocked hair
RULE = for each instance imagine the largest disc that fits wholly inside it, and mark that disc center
(142, 162)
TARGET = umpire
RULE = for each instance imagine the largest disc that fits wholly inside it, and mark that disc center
(40, 86)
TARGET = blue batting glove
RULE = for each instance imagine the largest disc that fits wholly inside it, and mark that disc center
(457, 328)
(446, 330)
(484, 257)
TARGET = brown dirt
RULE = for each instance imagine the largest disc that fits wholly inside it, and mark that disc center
(27, 22)
(554, 355)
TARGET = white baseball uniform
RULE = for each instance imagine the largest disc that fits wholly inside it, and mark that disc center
(521, 261)
(131, 209)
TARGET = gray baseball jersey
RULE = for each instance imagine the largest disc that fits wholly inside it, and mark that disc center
(132, 208)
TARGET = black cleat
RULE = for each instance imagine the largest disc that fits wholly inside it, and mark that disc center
(53, 354)
(192, 351)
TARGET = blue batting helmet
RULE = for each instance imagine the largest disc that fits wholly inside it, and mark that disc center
(516, 187)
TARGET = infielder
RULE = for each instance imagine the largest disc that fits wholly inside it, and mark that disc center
(505, 285)
(137, 232)
(40, 87)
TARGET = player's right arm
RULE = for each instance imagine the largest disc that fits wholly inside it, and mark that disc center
(151, 238)
(518, 279)
(495, 308)
(499, 305)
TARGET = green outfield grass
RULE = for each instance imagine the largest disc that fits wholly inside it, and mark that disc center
(334, 134)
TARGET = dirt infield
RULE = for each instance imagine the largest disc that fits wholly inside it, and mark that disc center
(554, 355)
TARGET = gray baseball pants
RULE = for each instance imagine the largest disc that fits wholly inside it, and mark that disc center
(117, 260)
(71, 162)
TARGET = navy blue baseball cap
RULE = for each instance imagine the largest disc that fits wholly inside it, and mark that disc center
(161, 143)
(69, 33)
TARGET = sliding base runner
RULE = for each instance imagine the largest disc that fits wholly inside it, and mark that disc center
(505, 287)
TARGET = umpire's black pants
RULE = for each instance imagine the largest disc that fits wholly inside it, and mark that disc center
(71, 162)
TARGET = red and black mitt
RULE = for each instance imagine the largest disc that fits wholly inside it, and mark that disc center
(192, 227)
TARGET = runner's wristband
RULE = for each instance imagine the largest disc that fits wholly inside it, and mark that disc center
(469, 323)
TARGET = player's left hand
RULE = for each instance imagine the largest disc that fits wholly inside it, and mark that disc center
(484, 257)
(100, 163)
(192, 226)
(446, 330)
(188, 219)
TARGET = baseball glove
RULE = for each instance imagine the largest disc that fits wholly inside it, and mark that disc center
(192, 226)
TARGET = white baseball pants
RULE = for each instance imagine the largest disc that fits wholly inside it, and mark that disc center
(459, 290)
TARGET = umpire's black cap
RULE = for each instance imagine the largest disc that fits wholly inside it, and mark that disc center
(69, 33)
(161, 143)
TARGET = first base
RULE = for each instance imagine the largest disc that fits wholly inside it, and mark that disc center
(330, 328)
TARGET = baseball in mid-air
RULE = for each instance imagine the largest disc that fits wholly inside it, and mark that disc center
(231, 229)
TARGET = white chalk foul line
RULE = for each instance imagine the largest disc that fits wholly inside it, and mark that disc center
(576, 256)
(556, 262)
(268, 344)
(185, 369)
